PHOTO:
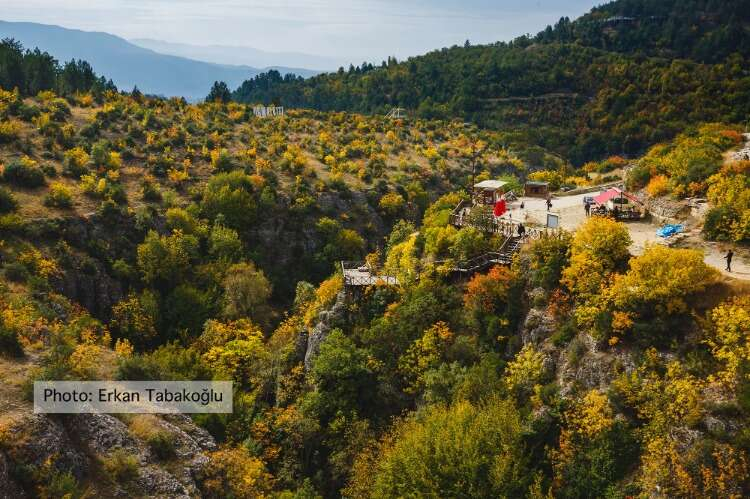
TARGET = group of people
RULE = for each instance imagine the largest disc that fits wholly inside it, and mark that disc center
(587, 207)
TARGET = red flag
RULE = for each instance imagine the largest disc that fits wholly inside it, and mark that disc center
(499, 208)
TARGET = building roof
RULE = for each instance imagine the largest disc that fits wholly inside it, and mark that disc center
(490, 185)
(537, 183)
(612, 193)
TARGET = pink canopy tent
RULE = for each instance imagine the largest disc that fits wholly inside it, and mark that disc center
(613, 193)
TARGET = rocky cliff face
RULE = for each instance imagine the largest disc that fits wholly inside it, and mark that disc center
(581, 364)
(327, 320)
(282, 243)
(79, 444)
(86, 281)
(85, 248)
(9, 489)
(286, 245)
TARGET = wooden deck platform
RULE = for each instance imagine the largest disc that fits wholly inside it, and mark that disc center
(357, 274)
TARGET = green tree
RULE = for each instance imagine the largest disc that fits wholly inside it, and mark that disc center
(219, 93)
(343, 379)
(165, 260)
(246, 292)
(457, 451)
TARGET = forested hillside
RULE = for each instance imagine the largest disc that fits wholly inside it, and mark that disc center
(33, 71)
(593, 87)
(702, 30)
(144, 238)
(152, 239)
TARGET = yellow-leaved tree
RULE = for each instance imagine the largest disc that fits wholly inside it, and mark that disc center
(425, 353)
(729, 339)
(234, 472)
(458, 451)
(525, 371)
(599, 248)
(235, 351)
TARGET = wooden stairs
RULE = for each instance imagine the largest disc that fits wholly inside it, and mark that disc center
(504, 256)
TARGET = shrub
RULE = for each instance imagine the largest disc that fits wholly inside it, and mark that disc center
(59, 196)
(599, 248)
(487, 292)
(75, 162)
(121, 466)
(729, 337)
(235, 473)
(9, 131)
(421, 453)
(28, 113)
(59, 109)
(24, 172)
(150, 190)
(9, 343)
(16, 272)
(246, 290)
(230, 194)
(553, 177)
(638, 177)
(166, 259)
(468, 243)
(392, 204)
(717, 225)
(547, 258)
(658, 186)
(61, 484)
(222, 161)
(160, 442)
(576, 350)
(8, 202)
(224, 243)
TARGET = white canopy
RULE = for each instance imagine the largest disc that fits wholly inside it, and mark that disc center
(490, 185)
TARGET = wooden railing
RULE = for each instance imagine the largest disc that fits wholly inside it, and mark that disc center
(504, 256)
(355, 277)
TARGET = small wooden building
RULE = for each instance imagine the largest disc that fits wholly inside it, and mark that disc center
(489, 192)
(536, 190)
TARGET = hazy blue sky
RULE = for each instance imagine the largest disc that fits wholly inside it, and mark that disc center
(346, 30)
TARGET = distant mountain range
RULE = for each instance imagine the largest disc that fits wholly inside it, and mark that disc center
(226, 54)
(129, 65)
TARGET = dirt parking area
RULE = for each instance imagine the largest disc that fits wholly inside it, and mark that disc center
(572, 214)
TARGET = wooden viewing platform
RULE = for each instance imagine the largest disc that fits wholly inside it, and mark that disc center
(462, 216)
(358, 274)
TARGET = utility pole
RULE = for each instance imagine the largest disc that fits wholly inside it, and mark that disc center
(473, 164)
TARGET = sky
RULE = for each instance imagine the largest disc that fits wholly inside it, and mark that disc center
(346, 30)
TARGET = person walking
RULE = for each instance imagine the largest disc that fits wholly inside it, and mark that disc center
(549, 204)
(521, 230)
(728, 258)
(587, 207)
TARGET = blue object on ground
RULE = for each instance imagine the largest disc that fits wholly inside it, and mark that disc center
(670, 230)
